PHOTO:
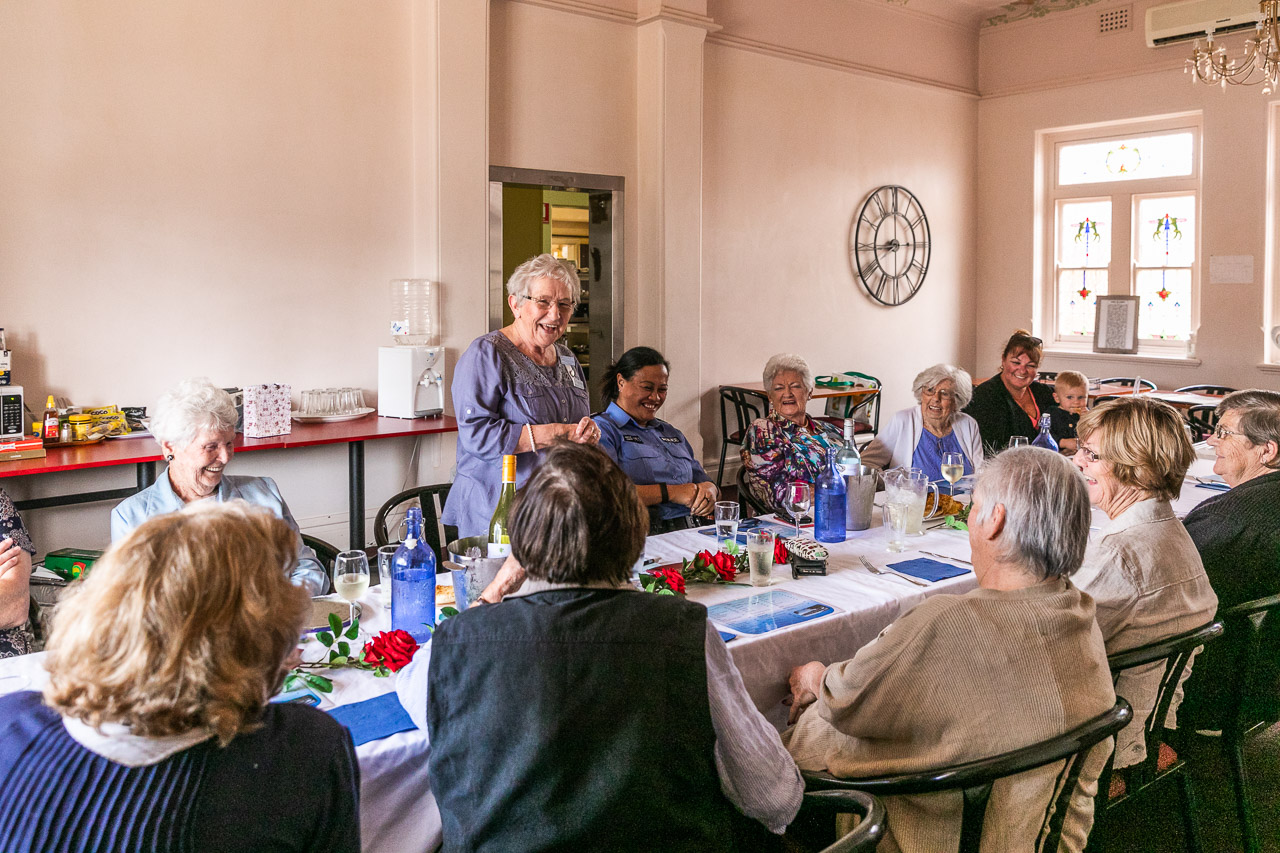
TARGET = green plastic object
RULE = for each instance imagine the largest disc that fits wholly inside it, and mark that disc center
(70, 563)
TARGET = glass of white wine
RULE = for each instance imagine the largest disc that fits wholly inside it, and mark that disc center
(952, 469)
(351, 578)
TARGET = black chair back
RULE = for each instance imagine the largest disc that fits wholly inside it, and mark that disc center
(1203, 420)
(976, 778)
(1176, 653)
(749, 500)
(866, 835)
(1208, 390)
(431, 499)
(746, 406)
(327, 553)
(1127, 382)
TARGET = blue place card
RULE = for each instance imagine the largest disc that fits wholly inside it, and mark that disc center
(373, 719)
(928, 570)
(767, 611)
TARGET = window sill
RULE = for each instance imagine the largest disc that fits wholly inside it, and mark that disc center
(1125, 358)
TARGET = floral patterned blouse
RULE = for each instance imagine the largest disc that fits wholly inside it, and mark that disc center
(11, 525)
(776, 452)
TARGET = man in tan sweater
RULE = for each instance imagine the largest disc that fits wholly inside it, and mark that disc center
(1012, 663)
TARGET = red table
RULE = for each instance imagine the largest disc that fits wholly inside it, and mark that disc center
(145, 453)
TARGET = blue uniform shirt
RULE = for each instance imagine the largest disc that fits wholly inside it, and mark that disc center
(653, 454)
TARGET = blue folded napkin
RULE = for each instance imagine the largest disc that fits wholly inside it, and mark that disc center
(373, 719)
(1217, 487)
(928, 570)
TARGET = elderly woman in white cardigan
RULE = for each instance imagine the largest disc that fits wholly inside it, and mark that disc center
(917, 437)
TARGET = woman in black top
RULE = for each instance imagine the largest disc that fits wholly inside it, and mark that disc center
(1011, 402)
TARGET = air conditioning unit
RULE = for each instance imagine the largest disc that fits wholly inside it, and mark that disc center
(1190, 19)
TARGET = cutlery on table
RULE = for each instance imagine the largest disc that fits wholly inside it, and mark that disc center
(945, 557)
(876, 570)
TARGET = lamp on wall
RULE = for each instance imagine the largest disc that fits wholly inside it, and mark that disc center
(1259, 64)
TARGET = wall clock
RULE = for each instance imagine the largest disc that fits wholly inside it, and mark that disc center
(890, 245)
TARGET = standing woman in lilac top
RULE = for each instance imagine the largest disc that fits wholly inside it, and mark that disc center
(517, 390)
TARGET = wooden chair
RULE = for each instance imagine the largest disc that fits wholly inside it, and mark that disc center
(865, 412)
(976, 778)
(823, 806)
(746, 406)
(1127, 382)
(1252, 693)
(1161, 764)
(1209, 390)
(1203, 420)
(431, 499)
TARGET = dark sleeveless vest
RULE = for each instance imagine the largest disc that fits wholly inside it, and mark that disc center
(575, 720)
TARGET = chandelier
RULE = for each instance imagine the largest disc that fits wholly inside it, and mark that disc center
(1260, 63)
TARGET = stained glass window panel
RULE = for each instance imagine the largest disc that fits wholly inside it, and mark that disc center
(1078, 291)
(1084, 233)
(1126, 159)
(1165, 233)
(1164, 304)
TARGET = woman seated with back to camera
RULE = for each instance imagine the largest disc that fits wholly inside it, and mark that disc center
(917, 437)
(655, 455)
(617, 719)
(195, 425)
(154, 731)
(786, 445)
(1017, 661)
(1142, 569)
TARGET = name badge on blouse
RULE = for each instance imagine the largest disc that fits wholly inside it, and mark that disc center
(567, 362)
(669, 440)
(637, 439)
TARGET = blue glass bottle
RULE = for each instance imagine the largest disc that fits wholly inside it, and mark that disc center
(1044, 439)
(413, 582)
(832, 495)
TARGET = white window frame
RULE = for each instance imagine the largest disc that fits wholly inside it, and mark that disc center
(1122, 270)
(1271, 299)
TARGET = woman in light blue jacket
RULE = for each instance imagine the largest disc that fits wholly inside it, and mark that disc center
(195, 425)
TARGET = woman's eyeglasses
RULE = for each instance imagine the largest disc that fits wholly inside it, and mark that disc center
(564, 306)
(941, 395)
(1088, 454)
(1222, 433)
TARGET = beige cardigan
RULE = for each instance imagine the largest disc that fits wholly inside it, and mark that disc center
(959, 678)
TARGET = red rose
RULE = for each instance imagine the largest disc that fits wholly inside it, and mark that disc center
(780, 554)
(725, 565)
(672, 578)
(392, 649)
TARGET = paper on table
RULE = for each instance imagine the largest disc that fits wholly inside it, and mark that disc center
(767, 611)
(373, 719)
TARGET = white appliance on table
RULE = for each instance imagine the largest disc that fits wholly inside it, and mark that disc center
(410, 381)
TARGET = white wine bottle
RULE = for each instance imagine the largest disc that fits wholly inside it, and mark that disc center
(499, 535)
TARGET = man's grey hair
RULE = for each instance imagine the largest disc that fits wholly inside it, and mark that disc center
(1259, 412)
(788, 361)
(1046, 506)
(190, 407)
(930, 377)
(544, 266)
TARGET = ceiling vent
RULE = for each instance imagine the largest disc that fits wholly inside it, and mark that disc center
(1189, 19)
(1118, 20)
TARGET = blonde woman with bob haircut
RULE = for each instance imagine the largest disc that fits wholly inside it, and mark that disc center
(1143, 569)
(161, 661)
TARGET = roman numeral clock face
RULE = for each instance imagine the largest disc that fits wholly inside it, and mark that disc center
(890, 245)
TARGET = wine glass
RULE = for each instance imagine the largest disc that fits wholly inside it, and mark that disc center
(1019, 441)
(952, 469)
(351, 578)
(799, 499)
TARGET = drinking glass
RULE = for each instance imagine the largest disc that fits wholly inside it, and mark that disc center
(799, 499)
(1019, 441)
(726, 522)
(385, 569)
(760, 556)
(351, 577)
(917, 487)
(952, 469)
(896, 513)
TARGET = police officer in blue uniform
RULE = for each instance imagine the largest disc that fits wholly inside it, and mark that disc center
(654, 454)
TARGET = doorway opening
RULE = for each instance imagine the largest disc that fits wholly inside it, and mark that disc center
(578, 218)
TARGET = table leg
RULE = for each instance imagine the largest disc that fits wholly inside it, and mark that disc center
(355, 502)
(146, 474)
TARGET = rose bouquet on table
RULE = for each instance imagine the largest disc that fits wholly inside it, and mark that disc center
(386, 652)
(704, 567)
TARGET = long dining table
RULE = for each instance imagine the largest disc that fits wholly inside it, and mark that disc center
(398, 813)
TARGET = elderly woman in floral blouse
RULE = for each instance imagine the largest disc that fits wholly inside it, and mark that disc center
(786, 445)
(16, 551)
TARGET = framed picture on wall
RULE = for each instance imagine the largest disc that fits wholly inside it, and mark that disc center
(1115, 326)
